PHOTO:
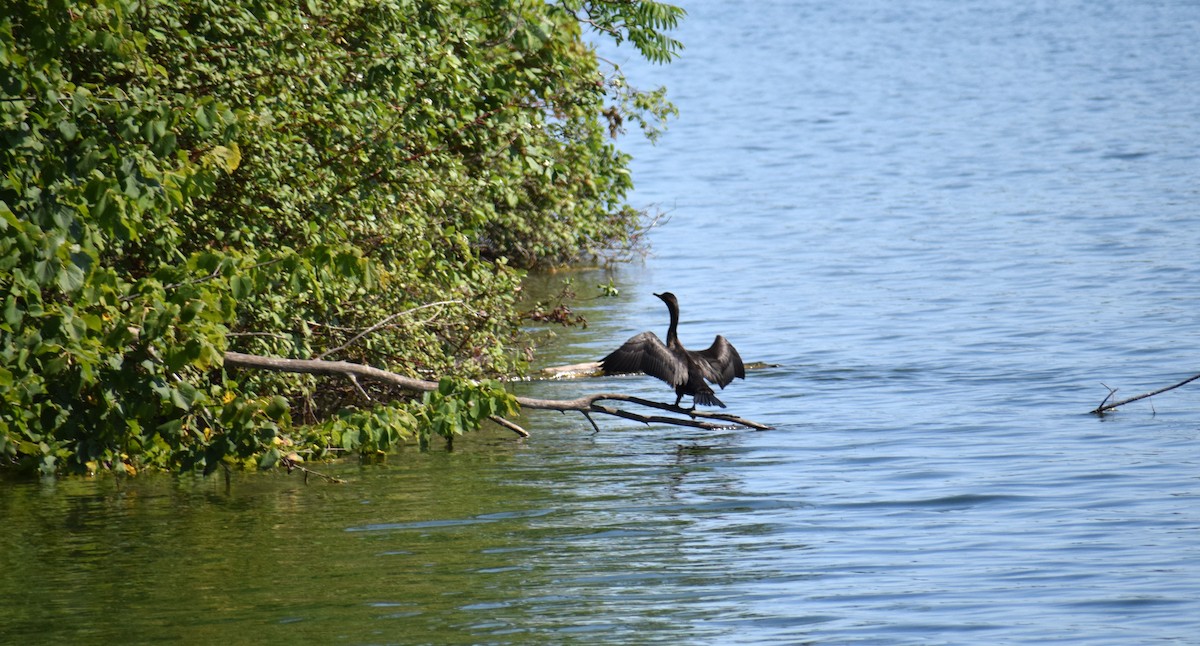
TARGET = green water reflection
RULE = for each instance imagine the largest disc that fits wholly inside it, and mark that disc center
(499, 541)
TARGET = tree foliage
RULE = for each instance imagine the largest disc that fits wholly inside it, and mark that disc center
(360, 180)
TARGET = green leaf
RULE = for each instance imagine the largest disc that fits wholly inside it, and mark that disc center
(277, 408)
(12, 314)
(269, 459)
(241, 286)
(189, 311)
(170, 428)
(68, 130)
(71, 278)
(184, 395)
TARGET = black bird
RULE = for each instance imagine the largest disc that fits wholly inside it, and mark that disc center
(685, 369)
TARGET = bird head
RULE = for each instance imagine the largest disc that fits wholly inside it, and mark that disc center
(668, 297)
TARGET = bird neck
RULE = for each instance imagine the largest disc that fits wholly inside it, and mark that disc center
(673, 329)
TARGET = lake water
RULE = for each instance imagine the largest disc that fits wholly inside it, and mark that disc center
(947, 223)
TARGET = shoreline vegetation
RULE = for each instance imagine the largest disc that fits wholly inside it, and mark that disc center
(363, 181)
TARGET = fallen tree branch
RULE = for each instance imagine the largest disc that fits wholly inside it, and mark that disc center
(586, 404)
(1102, 408)
(592, 369)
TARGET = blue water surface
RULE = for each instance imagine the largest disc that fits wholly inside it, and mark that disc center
(945, 225)
(949, 223)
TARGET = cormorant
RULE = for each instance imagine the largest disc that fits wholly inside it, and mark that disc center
(684, 369)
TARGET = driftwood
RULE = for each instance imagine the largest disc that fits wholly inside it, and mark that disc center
(586, 405)
(573, 371)
(1105, 407)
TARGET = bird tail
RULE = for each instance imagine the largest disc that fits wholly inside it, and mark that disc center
(707, 398)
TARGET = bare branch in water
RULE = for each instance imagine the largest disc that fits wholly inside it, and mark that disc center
(1103, 407)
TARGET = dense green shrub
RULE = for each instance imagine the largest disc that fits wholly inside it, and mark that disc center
(347, 180)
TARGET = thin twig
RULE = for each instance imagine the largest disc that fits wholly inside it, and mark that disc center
(593, 422)
(271, 335)
(359, 387)
(381, 324)
(293, 464)
(1111, 391)
(512, 426)
(216, 273)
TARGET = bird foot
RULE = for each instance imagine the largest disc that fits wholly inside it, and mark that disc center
(690, 412)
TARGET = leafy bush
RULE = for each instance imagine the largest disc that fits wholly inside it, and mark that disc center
(359, 180)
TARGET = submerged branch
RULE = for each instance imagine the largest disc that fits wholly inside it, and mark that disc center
(1103, 407)
(586, 404)
(293, 464)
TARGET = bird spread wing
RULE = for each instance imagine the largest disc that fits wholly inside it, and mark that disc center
(646, 353)
(720, 363)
